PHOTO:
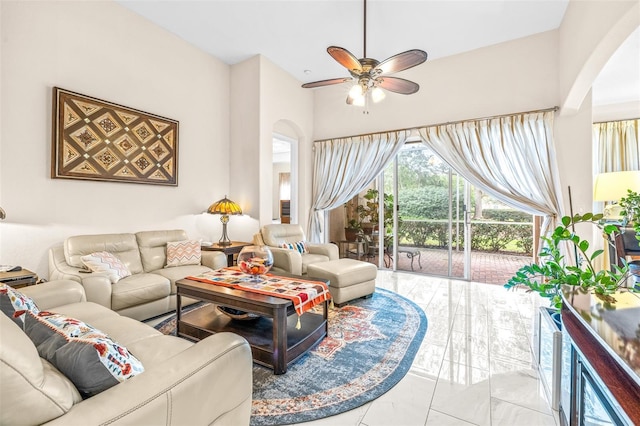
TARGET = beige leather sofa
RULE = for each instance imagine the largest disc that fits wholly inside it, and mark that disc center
(291, 261)
(150, 290)
(206, 383)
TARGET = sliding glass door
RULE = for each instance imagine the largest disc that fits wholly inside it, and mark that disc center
(431, 229)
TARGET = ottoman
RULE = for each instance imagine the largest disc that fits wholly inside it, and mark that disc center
(348, 278)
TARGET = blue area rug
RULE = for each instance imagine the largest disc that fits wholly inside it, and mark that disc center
(370, 347)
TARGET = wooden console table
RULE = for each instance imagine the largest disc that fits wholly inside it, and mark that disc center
(18, 279)
(603, 360)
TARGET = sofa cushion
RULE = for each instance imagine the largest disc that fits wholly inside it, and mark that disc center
(181, 253)
(138, 289)
(180, 272)
(299, 246)
(124, 246)
(153, 247)
(35, 391)
(85, 355)
(12, 301)
(104, 261)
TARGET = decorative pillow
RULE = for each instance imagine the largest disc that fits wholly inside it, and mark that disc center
(15, 304)
(299, 246)
(85, 355)
(103, 261)
(180, 253)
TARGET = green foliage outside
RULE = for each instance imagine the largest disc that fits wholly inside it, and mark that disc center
(423, 197)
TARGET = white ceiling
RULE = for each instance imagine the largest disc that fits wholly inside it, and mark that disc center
(294, 34)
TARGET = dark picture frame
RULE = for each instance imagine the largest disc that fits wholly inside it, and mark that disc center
(99, 140)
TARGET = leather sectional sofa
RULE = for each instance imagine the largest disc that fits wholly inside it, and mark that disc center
(206, 383)
(150, 290)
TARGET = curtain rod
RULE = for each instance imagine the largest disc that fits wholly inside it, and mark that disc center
(555, 108)
(615, 121)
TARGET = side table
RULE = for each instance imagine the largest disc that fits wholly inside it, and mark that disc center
(19, 279)
(230, 251)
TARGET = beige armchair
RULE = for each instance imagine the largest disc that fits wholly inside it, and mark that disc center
(291, 261)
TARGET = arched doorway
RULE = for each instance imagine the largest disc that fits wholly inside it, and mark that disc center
(285, 173)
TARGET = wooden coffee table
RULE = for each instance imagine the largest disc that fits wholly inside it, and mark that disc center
(275, 341)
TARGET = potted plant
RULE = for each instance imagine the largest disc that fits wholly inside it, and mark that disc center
(552, 272)
(631, 222)
(353, 230)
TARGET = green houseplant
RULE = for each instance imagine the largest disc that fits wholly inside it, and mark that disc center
(552, 272)
(631, 210)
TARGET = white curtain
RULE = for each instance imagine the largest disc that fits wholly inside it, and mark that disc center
(616, 145)
(511, 157)
(344, 167)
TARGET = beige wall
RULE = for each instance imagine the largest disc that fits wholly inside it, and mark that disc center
(103, 50)
(591, 31)
(264, 96)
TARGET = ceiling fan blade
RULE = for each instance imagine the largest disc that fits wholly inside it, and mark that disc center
(345, 58)
(402, 61)
(397, 85)
(326, 82)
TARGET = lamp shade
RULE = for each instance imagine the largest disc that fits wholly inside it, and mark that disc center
(224, 207)
(613, 186)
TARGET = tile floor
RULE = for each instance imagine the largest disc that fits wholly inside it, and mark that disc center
(475, 363)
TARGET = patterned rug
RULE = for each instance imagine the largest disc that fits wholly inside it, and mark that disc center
(370, 347)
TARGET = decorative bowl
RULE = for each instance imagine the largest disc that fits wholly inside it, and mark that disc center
(255, 260)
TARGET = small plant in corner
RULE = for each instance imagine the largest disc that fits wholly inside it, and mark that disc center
(552, 272)
(631, 210)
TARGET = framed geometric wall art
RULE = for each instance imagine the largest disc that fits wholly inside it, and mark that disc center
(99, 140)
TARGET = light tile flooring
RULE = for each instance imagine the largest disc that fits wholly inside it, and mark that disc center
(475, 363)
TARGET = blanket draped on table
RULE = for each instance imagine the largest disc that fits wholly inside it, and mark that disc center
(305, 294)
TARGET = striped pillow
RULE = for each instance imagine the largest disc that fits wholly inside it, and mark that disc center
(103, 261)
(180, 253)
(299, 246)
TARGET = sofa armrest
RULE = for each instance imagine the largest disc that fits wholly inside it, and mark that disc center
(97, 285)
(288, 260)
(329, 249)
(208, 383)
(214, 259)
(55, 293)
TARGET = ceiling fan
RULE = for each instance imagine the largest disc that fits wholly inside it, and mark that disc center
(371, 76)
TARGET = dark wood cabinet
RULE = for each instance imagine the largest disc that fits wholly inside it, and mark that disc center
(601, 359)
(285, 211)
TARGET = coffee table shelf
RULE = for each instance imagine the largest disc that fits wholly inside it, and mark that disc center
(275, 342)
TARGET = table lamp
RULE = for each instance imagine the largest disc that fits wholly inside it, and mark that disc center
(613, 186)
(224, 207)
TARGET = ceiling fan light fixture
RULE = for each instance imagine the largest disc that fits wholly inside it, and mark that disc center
(372, 75)
(359, 101)
(377, 94)
(356, 91)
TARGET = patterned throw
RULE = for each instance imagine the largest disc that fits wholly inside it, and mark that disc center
(303, 293)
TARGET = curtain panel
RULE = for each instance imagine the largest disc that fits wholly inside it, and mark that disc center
(616, 144)
(510, 157)
(344, 167)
